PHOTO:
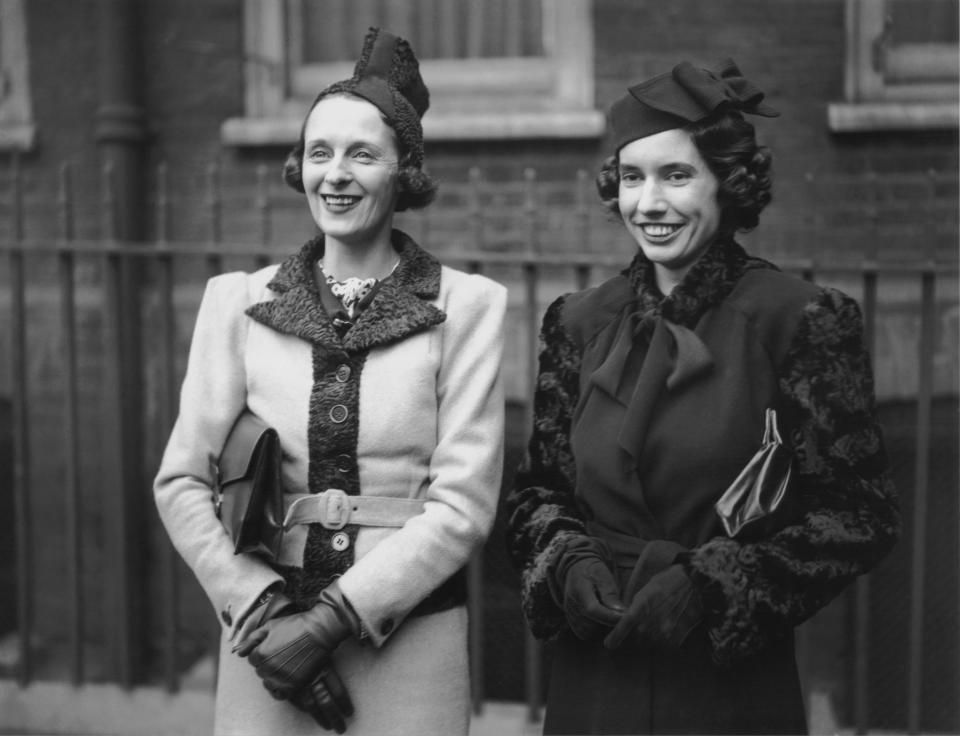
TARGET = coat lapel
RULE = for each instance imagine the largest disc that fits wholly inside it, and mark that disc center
(297, 309)
(400, 307)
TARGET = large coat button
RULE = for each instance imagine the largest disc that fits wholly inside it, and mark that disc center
(338, 413)
(340, 541)
(344, 463)
(343, 373)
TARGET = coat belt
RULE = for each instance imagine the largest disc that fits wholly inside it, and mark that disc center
(334, 509)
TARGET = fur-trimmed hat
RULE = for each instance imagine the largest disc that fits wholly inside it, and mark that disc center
(682, 96)
(387, 75)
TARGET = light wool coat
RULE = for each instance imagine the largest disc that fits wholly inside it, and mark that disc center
(418, 375)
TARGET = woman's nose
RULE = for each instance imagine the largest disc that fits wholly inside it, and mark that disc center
(651, 197)
(339, 172)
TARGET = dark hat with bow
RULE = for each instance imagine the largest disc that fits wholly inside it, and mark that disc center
(387, 75)
(682, 96)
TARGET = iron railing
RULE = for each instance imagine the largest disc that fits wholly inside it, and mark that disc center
(77, 296)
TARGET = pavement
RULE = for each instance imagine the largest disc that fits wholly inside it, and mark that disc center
(504, 719)
(108, 710)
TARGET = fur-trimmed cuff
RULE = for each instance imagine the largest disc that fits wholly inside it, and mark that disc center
(543, 614)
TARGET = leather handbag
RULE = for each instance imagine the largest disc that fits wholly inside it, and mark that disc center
(757, 503)
(249, 491)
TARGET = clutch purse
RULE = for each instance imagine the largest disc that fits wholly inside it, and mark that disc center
(249, 492)
(756, 504)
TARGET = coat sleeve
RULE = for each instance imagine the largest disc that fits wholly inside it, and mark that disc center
(849, 520)
(465, 468)
(542, 511)
(212, 396)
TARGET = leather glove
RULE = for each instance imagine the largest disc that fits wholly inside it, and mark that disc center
(662, 613)
(584, 586)
(274, 604)
(288, 652)
(326, 699)
(271, 604)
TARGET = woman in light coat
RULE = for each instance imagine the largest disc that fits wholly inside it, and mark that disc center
(653, 394)
(379, 369)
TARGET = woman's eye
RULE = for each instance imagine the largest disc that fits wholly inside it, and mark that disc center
(319, 154)
(629, 178)
(678, 177)
(362, 155)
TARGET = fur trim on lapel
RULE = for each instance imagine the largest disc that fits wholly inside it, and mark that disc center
(400, 307)
(297, 309)
(708, 283)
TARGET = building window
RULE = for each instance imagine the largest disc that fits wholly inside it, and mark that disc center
(902, 64)
(17, 131)
(495, 68)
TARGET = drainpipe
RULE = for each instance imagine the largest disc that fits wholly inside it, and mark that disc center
(121, 130)
(121, 139)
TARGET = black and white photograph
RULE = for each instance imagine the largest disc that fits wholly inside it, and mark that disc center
(479, 367)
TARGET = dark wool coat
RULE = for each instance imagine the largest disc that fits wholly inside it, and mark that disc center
(646, 409)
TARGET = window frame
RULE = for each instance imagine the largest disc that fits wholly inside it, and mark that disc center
(547, 97)
(882, 90)
(17, 129)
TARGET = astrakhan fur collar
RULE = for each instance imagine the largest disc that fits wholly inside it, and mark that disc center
(400, 307)
(709, 281)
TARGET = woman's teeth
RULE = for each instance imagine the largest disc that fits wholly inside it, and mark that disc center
(340, 200)
(660, 231)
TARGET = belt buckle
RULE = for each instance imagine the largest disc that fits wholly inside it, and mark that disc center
(335, 508)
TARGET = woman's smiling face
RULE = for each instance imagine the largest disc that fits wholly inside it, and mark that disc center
(668, 201)
(349, 167)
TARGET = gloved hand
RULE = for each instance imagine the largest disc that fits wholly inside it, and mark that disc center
(274, 604)
(584, 586)
(662, 613)
(326, 699)
(288, 652)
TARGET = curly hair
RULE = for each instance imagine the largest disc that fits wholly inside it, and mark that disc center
(728, 145)
(416, 189)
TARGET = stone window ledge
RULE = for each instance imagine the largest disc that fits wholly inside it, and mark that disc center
(845, 117)
(17, 137)
(440, 126)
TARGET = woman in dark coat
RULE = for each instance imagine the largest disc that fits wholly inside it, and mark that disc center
(651, 398)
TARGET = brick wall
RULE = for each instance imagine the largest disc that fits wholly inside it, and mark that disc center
(192, 74)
